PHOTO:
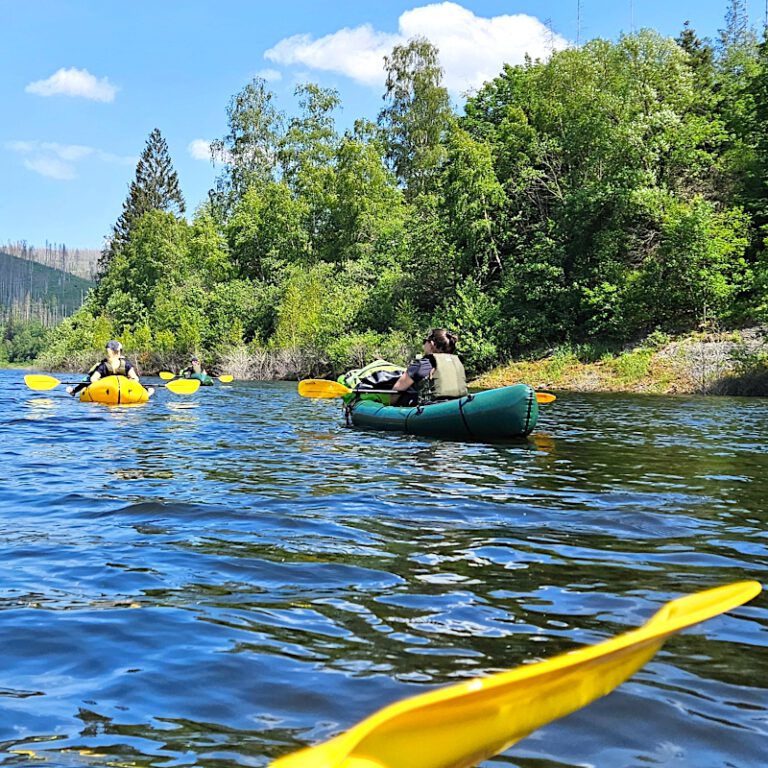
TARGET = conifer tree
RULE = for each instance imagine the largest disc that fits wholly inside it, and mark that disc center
(155, 187)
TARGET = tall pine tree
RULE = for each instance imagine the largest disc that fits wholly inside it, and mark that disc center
(155, 187)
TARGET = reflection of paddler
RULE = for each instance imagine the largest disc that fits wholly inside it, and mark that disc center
(543, 442)
(114, 364)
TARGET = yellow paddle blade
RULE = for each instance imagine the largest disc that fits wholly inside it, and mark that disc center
(322, 388)
(167, 375)
(40, 382)
(183, 386)
(225, 378)
(545, 397)
(464, 724)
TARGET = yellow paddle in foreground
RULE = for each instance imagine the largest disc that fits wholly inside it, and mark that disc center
(464, 724)
(327, 388)
(225, 378)
(40, 383)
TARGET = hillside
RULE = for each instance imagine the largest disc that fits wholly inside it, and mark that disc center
(82, 262)
(29, 290)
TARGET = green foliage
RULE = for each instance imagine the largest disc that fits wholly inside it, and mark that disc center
(22, 342)
(306, 152)
(266, 232)
(579, 201)
(473, 203)
(417, 114)
(208, 249)
(240, 311)
(358, 349)
(316, 306)
(697, 269)
(367, 214)
(472, 315)
(631, 366)
(154, 188)
(249, 151)
(156, 254)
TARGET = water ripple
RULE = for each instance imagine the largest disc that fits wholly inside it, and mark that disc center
(221, 578)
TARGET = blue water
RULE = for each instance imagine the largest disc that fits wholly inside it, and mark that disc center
(221, 578)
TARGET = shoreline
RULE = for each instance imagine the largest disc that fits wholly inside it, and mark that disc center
(713, 363)
(733, 362)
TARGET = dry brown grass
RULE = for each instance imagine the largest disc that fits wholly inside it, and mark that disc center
(713, 363)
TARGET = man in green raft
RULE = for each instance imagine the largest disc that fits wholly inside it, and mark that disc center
(195, 370)
(114, 364)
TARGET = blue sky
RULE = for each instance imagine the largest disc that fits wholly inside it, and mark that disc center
(83, 82)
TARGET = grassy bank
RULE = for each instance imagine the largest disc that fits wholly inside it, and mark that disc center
(722, 362)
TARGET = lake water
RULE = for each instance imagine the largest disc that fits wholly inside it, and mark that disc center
(222, 578)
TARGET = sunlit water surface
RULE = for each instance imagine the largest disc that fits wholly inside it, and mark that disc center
(220, 579)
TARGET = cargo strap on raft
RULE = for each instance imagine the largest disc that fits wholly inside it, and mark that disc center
(462, 403)
(348, 410)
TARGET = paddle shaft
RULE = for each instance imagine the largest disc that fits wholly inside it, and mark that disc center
(224, 378)
(325, 388)
(42, 383)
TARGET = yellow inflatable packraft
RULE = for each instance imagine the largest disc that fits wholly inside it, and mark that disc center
(114, 390)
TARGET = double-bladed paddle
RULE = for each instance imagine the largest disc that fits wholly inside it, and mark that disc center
(327, 388)
(225, 378)
(464, 724)
(40, 383)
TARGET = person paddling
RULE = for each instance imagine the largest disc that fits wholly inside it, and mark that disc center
(194, 368)
(114, 364)
(438, 375)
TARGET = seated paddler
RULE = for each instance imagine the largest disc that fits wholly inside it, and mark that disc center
(438, 375)
(195, 368)
(114, 364)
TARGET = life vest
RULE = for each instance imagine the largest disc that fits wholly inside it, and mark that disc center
(120, 370)
(448, 380)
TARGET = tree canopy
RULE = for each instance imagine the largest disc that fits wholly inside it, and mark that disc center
(610, 190)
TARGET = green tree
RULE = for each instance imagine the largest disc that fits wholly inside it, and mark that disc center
(266, 232)
(696, 269)
(417, 115)
(157, 255)
(474, 203)
(154, 188)
(367, 210)
(307, 151)
(208, 249)
(249, 151)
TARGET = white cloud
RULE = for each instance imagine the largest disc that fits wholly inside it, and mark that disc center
(50, 166)
(200, 149)
(472, 48)
(74, 82)
(358, 53)
(59, 161)
(270, 75)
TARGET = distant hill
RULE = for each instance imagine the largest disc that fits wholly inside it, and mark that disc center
(32, 291)
(82, 262)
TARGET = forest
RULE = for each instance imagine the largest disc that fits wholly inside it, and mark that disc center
(81, 262)
(33, 299)
(614, 190)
